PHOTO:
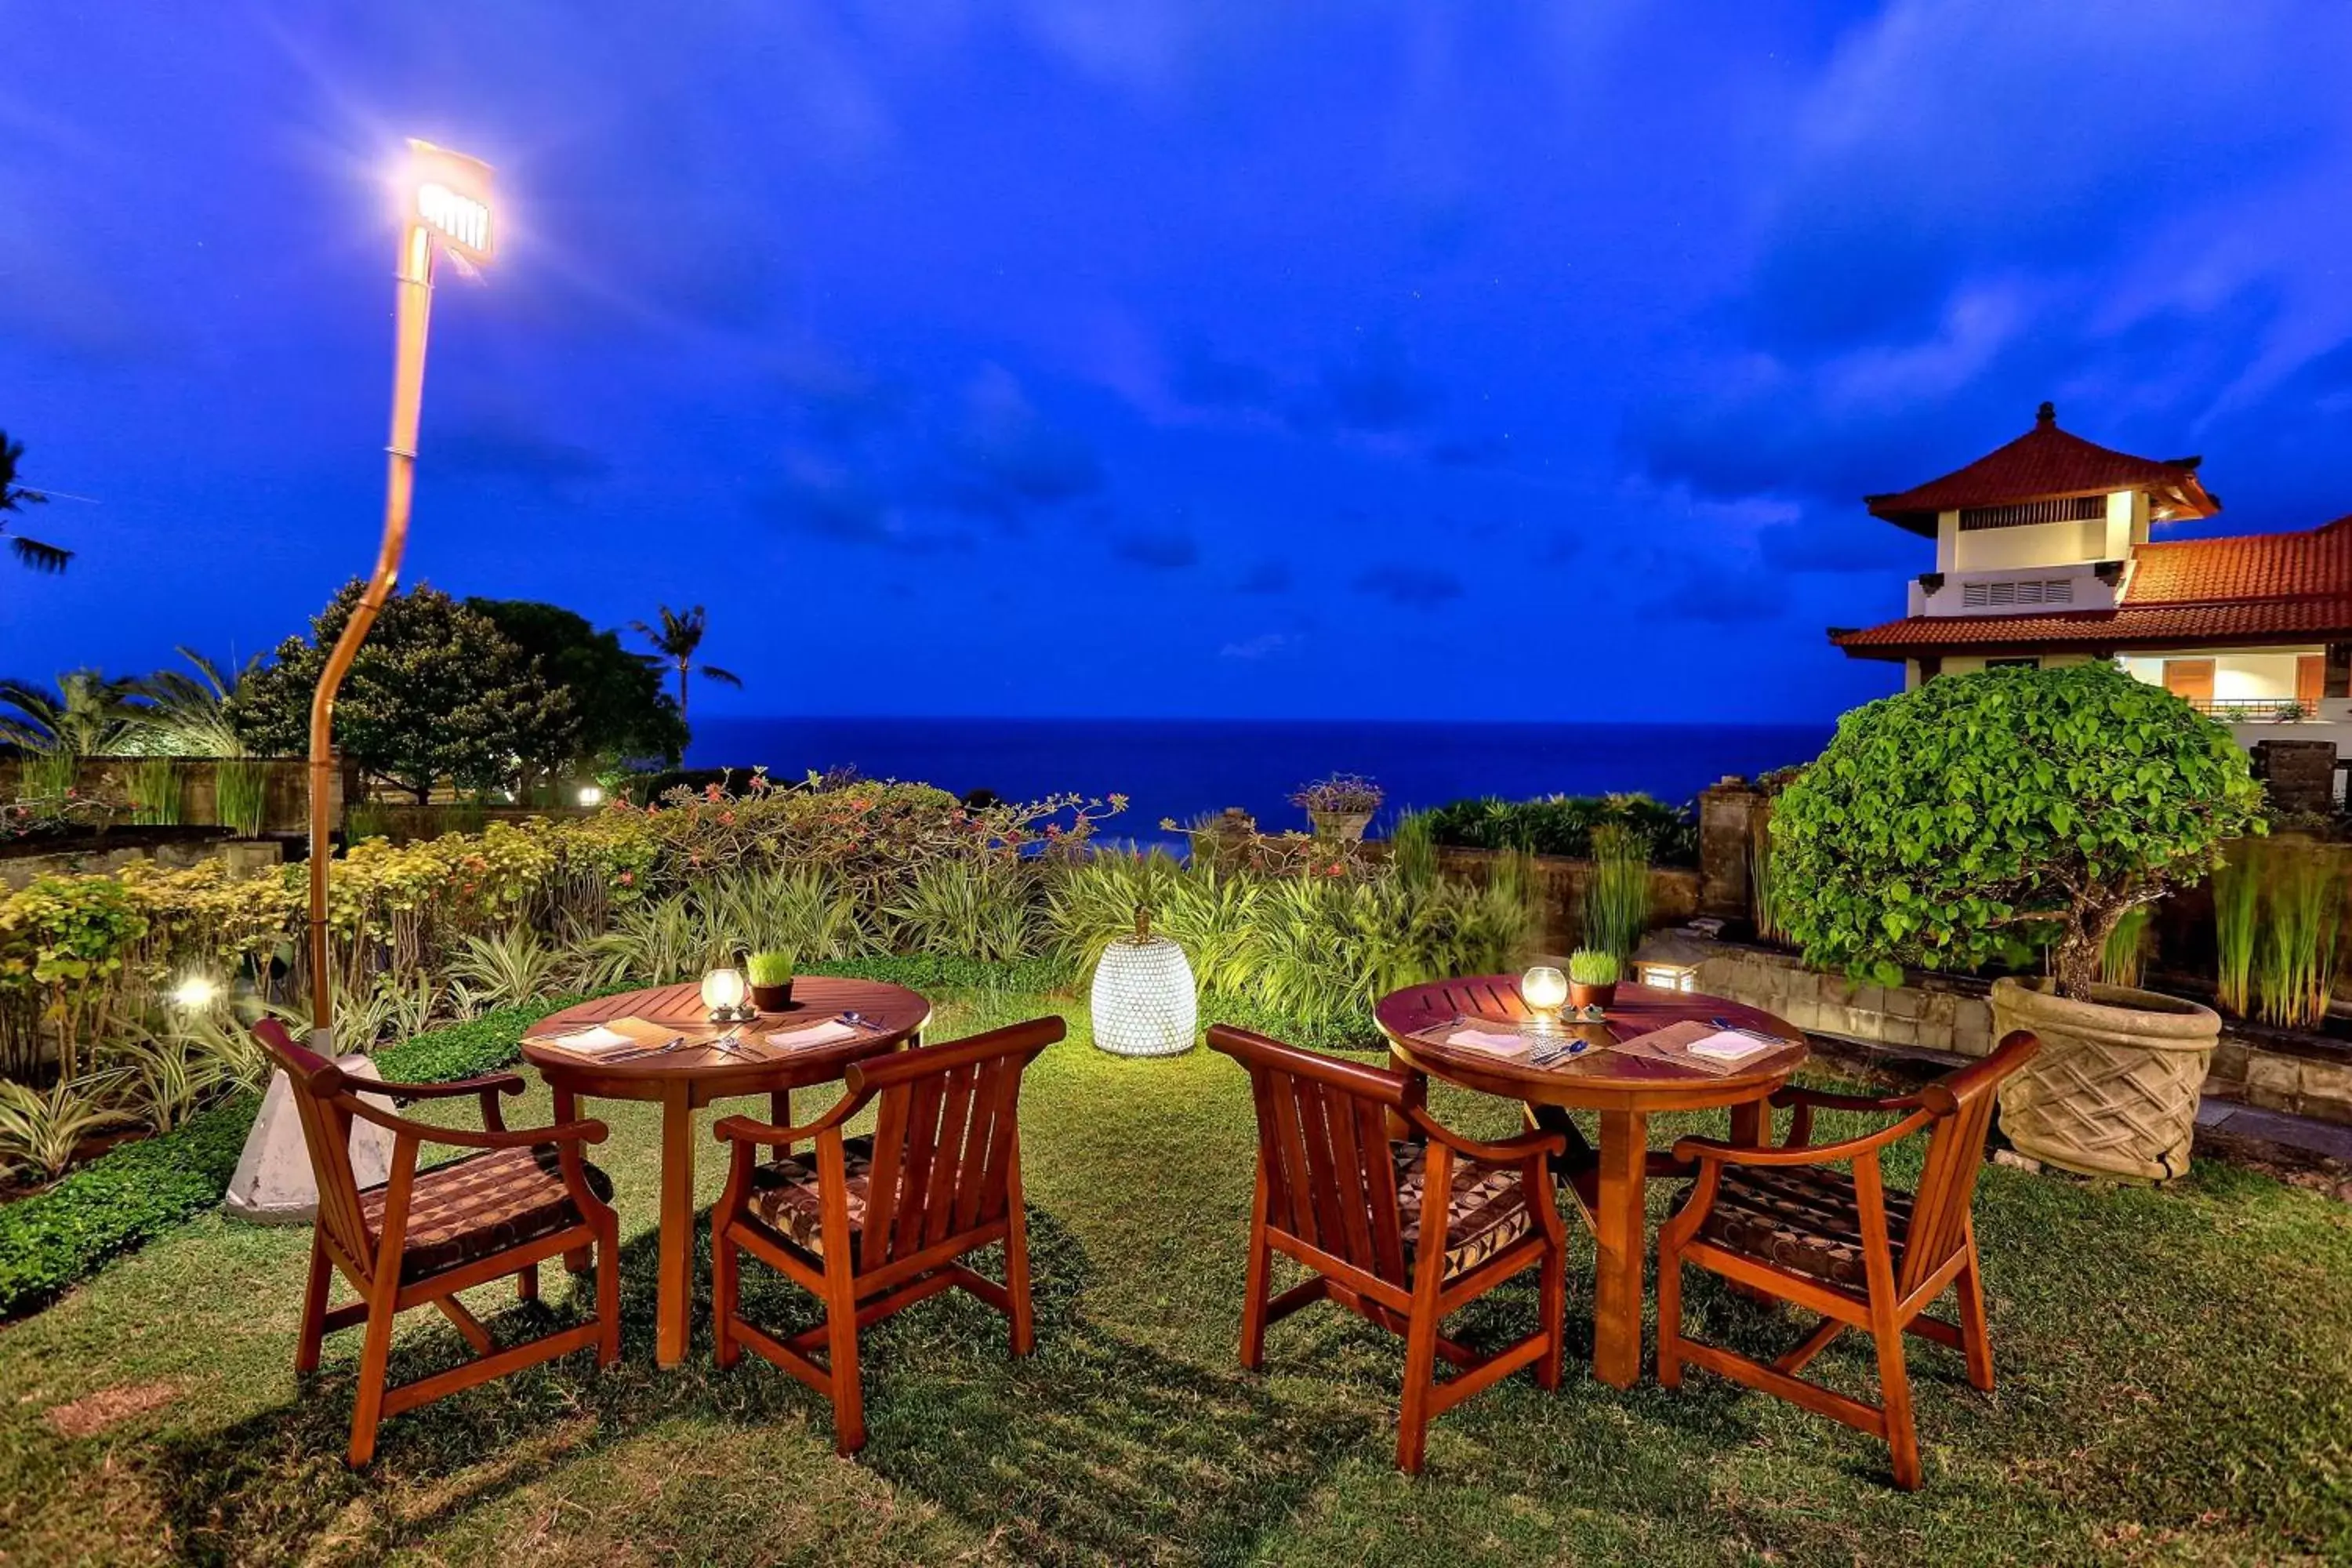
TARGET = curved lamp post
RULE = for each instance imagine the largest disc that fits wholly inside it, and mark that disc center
(446, 204)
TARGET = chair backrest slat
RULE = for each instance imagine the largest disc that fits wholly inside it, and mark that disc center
(945, 1139)
(1963, 1102)
(1323, 1147)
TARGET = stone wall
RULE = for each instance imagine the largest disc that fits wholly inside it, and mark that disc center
(2278, 1069)
(244, 857)
(287, 789)
(2299, 775)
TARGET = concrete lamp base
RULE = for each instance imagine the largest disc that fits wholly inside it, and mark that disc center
(273, 1185)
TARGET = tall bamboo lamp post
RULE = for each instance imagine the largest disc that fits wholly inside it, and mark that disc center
(445, 198)
(445, 204)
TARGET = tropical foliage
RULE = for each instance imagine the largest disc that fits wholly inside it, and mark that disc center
(437, 694)
(676, 637)
(1982, 816)
(1563, 824)
(13, 499)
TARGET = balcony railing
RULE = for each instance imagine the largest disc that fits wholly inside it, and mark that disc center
(2254, 710)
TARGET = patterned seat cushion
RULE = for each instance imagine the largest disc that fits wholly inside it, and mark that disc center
(1805, 1218)
(486, 1203)
(785, 1197)
(1487, 1211)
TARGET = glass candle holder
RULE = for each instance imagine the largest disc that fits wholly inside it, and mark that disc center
(722, 993)
(1544, 989)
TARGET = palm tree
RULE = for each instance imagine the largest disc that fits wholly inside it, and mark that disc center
(14, 497)
(87, 716)
(187, 715)
(675, 640)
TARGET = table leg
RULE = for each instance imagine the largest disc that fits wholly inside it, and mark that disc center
(567, 1109)
(1618, 1237)
(1400, 1130)
(780, 1113)
(1749, 1126)
(674, 1309)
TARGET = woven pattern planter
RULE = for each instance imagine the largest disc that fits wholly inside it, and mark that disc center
(2113, 1089)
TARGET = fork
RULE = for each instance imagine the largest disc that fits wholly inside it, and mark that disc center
(664, 1048)
(1728, 1028)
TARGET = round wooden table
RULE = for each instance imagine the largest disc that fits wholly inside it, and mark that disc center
(686, 1079)
(1624, 1089)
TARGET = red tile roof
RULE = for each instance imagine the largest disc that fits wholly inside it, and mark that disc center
(2046, 464)
(2254, 588)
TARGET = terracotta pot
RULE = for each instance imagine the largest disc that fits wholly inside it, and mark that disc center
(1341, 824)
(2113, 1089)
(1582, 997)
(773, 998)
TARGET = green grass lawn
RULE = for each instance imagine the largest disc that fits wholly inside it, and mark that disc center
(2176, 1386)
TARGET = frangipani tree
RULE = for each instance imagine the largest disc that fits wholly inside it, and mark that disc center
(1980, 817)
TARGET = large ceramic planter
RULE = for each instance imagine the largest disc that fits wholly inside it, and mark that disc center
(1344, 825)
(2113, 1092)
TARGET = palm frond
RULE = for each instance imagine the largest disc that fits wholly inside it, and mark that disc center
(40, 557)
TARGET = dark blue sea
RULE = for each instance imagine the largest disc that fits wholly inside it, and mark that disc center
(1186, 768)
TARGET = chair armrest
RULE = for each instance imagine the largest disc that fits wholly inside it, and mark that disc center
(1526, 1146)
(488, 1083)
(1716, 1152)
(750, 1130)
(1822, 1099)
(465, 1138)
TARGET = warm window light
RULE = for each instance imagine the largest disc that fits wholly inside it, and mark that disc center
(591, 795)
(722, 993)
(1143, 1002)
(194, 993)
(1544, 989)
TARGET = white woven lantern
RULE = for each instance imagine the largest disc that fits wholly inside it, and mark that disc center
(1143, 1000)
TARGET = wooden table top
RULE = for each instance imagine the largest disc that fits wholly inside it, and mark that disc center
(714, 1073)
(1600, 1078)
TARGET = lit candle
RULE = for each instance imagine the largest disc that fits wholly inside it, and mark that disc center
(722, 992)
(1544, 988)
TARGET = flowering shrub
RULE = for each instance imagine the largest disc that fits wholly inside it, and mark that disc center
(1340, 792)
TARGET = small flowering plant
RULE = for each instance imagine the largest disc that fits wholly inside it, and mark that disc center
(1340, 793)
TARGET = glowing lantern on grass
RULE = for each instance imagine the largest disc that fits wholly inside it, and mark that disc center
(1143, 1001)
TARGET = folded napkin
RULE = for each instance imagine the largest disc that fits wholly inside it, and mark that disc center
(831, 1032)
(1502, 1042)
(1727, 1045)
(602, 1040)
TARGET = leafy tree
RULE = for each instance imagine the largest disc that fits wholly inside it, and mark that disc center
(1981, 815)
(616, 694)
(87, 715)
(438, 692)
(677, 640)
(16, 497)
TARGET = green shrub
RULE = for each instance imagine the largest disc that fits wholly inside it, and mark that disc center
(1954, 826)
(1562, 824)
(1589, 966)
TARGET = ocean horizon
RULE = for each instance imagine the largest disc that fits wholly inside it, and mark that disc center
(1185, 768)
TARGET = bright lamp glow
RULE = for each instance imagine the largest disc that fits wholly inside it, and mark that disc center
(591, 795)
(1543, 988)
(449, 194)
(461, 218)
(1143, 1002)
(722, 991)
(195, 992)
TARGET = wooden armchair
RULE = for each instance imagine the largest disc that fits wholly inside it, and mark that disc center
(872, 1224)
(1334, 1193)
(1781, 1222)
(424, 1236)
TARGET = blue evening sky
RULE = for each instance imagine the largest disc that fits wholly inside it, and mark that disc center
(1142, 357)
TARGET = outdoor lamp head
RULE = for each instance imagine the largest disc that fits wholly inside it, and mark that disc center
(450, 194)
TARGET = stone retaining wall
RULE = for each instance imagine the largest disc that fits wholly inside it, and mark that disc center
(2278, 1069)
(244, 857)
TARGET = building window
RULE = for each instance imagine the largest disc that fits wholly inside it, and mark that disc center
(2073, 509)
(2013, 664)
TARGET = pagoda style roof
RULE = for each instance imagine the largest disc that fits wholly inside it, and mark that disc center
(2262, 588)
(2048, 464)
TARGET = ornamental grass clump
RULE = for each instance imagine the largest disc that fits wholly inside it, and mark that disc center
(1980, 818)
(2237, 909)
(1617, 894)
(2294, 963)
(1592, 966)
